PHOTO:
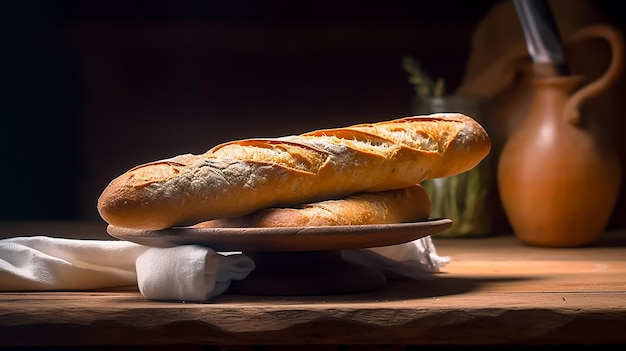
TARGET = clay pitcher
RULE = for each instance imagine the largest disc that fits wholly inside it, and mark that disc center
(559, 174)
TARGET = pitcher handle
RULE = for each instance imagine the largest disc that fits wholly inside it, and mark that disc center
(613, 72)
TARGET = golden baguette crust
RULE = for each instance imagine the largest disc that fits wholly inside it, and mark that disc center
(240, 177)
(384, 207)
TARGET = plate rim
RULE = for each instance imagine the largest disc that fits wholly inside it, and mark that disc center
(262, 237)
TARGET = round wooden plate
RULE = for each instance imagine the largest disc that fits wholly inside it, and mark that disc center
(285, 238)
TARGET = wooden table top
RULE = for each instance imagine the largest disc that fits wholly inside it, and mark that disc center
(495, 291)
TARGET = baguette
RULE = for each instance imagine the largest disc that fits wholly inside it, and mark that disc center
(240, 177)
(384, 207)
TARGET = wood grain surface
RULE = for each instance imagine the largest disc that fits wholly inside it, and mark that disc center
(494, 291)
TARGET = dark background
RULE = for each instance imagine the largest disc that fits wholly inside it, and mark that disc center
(92, 88)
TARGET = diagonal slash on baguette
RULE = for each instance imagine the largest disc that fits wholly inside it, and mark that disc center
(240, 177)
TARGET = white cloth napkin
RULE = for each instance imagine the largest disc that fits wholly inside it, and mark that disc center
(416, 259)
(189, 273)
(184, 273)
(47, 263)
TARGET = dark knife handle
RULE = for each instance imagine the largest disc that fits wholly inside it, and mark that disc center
(542, 34)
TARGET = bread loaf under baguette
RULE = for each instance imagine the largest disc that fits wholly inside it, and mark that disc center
(240, 177)
(384, 207)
